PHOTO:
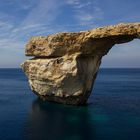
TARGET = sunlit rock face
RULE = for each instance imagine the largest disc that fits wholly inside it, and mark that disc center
(65, 65)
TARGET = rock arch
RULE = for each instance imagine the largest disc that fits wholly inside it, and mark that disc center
(65, 65)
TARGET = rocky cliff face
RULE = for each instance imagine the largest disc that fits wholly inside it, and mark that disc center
(65, 65)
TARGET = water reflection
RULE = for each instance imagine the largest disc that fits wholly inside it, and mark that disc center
(58, 122)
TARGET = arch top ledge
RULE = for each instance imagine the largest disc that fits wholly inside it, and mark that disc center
(121, 29)
(65, 65)
(84, 42)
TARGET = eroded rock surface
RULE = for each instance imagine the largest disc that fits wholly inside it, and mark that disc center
(65, 65)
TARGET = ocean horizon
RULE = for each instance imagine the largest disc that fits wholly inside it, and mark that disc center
(112, 111)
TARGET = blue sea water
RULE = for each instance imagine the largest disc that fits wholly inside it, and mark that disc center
(112, 112)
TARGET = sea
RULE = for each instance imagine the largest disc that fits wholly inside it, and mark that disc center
(112, 111)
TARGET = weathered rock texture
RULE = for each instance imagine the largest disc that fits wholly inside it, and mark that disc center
(65, 65)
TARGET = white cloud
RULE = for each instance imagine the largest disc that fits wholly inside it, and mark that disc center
(73, 2)
(85, 17)
(11, 44)
(44, 12)
(82, 5)
(86, 12)
(4, 26)
(38, 21)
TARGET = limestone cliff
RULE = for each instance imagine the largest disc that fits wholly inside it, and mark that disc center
(65, 65)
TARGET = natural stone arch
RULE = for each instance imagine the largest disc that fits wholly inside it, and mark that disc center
(66, 64)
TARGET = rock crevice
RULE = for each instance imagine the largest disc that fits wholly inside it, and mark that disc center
(65, 65)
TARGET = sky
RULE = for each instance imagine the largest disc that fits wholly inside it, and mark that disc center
(22, 19)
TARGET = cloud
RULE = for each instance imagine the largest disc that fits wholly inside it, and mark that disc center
(86, 12)
(44, 11)
(5, 27)
(20, 5)
(38, 20)
(73, 2)
(41, 16)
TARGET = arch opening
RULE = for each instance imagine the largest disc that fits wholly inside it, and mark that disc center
(124, 55)
(119, 76)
